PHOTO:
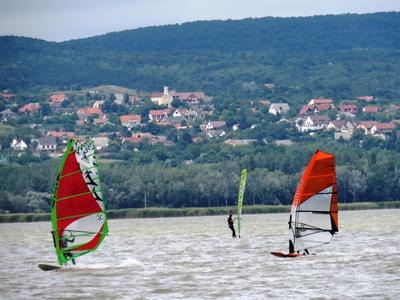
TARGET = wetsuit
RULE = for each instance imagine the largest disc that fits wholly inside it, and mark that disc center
(231, 227)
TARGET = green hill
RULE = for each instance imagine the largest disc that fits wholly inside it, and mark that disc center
(333, 56)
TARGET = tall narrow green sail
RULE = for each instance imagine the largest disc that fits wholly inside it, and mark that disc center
(243, 179)
(78, 214)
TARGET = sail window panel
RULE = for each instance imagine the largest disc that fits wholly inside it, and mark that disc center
(312, 239)
(316, 220)
(84, 229)
(318, 202)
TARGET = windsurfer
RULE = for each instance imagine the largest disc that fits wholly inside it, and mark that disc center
(230, 224)
(64, 245)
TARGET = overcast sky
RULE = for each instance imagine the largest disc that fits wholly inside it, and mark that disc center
(59, 20)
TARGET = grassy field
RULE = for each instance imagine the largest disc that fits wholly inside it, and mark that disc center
(158, 212)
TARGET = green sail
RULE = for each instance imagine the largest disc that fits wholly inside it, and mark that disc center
(243, 179)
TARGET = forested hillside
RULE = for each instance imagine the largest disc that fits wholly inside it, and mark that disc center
(240, 68)
(304, 57)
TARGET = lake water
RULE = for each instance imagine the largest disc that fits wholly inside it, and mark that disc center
(195, 258)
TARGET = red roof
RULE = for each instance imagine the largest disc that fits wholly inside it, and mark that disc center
(30, 107)
(305, 109)
(385, 126)
(57, 98)
(367, 124)
(321, 107)
(89, 111)
(348, 108)
(371, 109)
(130, 118)
(159, 112)
(322, 119)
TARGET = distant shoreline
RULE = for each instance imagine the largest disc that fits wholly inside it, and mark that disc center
(163, 212)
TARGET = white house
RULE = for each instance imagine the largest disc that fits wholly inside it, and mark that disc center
(314, 123)
(47, 143)
(100, 142)
(211, 125)
(278, 108)
(19, 145)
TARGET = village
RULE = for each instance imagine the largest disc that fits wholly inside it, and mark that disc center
(124, 117)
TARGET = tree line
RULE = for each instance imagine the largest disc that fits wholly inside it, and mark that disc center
(273, 174)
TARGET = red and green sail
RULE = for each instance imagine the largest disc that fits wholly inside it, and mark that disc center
(78, 215)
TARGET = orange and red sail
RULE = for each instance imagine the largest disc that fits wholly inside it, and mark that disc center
(314, 213)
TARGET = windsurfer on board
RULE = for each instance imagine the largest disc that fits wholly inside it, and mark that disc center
(230, 224)
(64, 244)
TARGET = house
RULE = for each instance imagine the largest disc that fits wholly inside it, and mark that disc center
(57, 99)
(321, 107)
(342, 135)
(314, 108)
(98, 103)
(348, 108)
(278, 108)
(100, 121)
(192, 98)
(383, 128)
(371, 109)
(133, 99)
(366, 126)
(321, 101)
(158, 115)
(164, 98)
(180, 112)
(61, 134)
(269, 86)
(30, 108)
(8, 96)
(18, 145)
(216, 133)
(142, 137)
(85, 112)
(313, 123)
(365, 98)
(119, 98)
(241, 142)
(130, 120)
(212, 125)
(337, 125)
(100, 142)
(47, 143)
(306, 109)
(6, 115)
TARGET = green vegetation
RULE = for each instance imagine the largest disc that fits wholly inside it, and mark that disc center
(161, 212)
(332, 56)
(150, 179)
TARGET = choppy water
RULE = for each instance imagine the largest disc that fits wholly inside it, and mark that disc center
(195, 258)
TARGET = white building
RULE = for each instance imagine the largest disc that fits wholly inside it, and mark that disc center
(278, 108)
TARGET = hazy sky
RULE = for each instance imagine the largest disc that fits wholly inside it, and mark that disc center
(58, 20)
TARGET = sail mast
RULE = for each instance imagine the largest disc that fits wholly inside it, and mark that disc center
(243, 179)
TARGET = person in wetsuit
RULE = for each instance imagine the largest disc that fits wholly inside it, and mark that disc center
(230, 224)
